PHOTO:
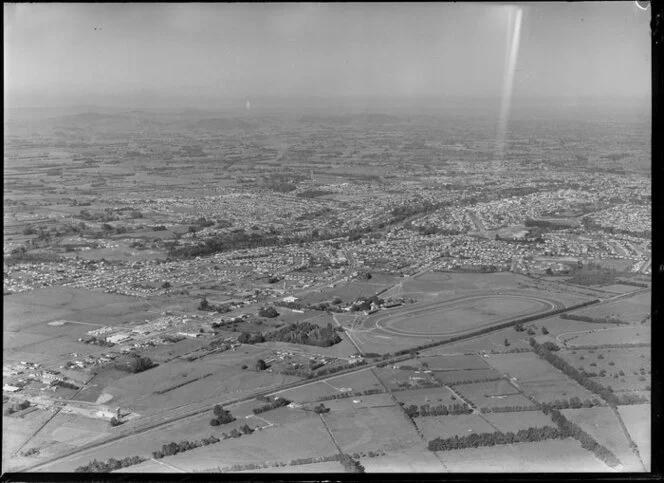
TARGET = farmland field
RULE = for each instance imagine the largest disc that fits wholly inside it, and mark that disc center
(639, 334)
(373, 429)
(433, 427)
(538, 377)
(431, 395)
(403, 462)
(626, 368)
(637, 421)
(452, 363)
(601, 423)
(555, 456)
(299, 439)
(630, 309)
(516, 421)
(464, 376)
(493, 394)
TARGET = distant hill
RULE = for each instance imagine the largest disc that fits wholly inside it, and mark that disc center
(218, 124)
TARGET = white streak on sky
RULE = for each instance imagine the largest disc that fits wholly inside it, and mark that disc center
(514, 34)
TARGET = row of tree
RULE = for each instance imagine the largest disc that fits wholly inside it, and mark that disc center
(597, 320)
(439, 410)
(110, 465)
(272, 404)
(508, 409)
(173, 448)
(477, 440)
(344, 395)
(350, 465)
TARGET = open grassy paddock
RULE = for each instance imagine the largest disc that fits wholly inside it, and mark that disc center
(493, 394)
(638, 424)
(554, 456)
(601, 423)
(372, 429)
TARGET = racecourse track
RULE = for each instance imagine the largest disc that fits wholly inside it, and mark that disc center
(454, 317)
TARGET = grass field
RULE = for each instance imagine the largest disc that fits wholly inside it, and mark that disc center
(463, 376)
(433, 427)
(406, 461)
(623, 366)
(15, 432)
(554, 456)
(630, 309)
(601, 423)
(303, 438)
(639, 334)
(453, 363)
(538, 377)
(493, 394)
(431, 395)
(138, 392)
(360, 403)
(517, 421)
(373, 429)
(637, 421)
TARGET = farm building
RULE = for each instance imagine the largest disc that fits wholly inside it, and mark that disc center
(117, 338)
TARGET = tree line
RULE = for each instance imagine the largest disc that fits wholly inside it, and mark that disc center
(440, 410)
(272, 404)
(110, 465)
(477, 440)
(596, 320)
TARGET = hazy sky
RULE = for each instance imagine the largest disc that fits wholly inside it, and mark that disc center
(59, 54)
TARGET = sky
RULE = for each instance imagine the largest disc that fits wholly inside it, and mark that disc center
(200, 54)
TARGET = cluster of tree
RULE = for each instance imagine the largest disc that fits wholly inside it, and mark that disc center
(363, 303)
(135, 364)
(208, 307)
(520, 328)
(305, 333)
(115, 421)
(477, 440)
(17, 407)
(268, 312)
(98, 341)
(158, 228)
(272, 404)
(572, 430)
(64, 384)
(597, 320)
(221, 416)
(573, 373)
(350, 465)
(173, 448)
(440, 410)
(111, 465)
(321, 409)
(250, 338)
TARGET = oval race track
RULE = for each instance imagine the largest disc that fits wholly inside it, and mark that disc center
(457, 316)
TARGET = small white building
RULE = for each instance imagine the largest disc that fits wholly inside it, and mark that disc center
(10, 388)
